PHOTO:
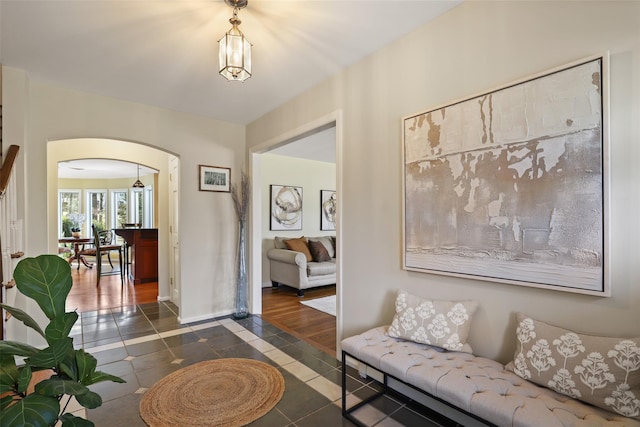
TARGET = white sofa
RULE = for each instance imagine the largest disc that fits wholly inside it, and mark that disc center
(292, 268)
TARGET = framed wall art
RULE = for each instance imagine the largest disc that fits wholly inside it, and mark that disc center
(215, 178)
(328, 210)
(512, 186)
(286, 207)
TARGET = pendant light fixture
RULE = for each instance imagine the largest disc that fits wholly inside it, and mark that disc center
(138, 183)
(234, 53)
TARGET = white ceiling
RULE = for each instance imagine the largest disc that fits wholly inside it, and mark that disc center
(164, 53)
(320, 146)
(101, 168)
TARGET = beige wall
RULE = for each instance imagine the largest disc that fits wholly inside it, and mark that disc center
(473, 48)
(37, 113)
(312, 176)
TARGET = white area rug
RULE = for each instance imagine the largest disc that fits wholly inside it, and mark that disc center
(325, 304)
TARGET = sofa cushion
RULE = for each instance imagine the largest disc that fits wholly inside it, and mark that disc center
(321, 268)
(299, 245)
(439, 323)
(318, 251)
(602, 371)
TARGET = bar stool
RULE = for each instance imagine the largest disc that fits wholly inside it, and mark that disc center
(127, 260)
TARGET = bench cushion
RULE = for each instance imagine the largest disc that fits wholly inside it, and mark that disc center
(477, 385)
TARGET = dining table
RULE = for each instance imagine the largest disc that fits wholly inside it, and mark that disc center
(77, 242)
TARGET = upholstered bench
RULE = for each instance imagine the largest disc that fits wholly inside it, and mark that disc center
(475, 388)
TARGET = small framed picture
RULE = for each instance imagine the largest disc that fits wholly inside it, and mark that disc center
(327, 210)
(215, 178)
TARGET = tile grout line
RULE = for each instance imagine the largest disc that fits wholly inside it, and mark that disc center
(313, 379)
(322, 385)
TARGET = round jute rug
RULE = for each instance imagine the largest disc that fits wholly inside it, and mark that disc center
(222, 392)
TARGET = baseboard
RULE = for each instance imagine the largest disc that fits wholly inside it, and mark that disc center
(164, 298)
(210, 316)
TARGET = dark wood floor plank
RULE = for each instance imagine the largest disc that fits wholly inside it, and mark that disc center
(281, 307)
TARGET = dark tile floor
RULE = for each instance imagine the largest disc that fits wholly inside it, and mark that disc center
(144, 343)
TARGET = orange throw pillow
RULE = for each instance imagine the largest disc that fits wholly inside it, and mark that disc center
(299, 245)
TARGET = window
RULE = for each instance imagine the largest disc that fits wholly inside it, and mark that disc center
(137, 205)
(97, 208)
(148, 207)
(68, 202)
(120, 211)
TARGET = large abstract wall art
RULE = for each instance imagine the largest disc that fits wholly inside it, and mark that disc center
(286, 207)
(510, 186)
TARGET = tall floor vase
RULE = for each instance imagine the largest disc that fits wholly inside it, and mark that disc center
(242, 307)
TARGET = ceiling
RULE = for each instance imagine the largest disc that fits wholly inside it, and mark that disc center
(101, 168)
(321, 147)
(164, 53)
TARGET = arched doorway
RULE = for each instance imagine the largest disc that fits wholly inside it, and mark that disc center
(160, 160)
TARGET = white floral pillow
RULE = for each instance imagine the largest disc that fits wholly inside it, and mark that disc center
(602, 371)
(439, 323)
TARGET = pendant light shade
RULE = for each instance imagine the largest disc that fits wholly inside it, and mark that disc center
(234, 53)
(138, 183)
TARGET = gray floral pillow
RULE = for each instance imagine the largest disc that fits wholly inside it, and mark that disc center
(602, 371)
(439, 323)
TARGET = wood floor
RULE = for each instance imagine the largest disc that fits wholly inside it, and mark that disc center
(86, 296)
(281, 307)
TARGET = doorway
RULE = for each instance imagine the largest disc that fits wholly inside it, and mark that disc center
(85, 148)
(262, 236)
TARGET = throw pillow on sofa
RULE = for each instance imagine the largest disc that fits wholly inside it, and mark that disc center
(299, 245)
(327, 242)
(602, 371)
(318, 251)
(442, 324)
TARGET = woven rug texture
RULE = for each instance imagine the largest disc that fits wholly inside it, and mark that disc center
(222, 393)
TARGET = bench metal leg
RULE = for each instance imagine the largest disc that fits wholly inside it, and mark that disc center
(347, 412)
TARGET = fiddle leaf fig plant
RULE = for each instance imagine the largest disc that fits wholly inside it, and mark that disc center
(47, 280)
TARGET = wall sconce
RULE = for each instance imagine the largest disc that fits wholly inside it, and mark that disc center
(234, 49)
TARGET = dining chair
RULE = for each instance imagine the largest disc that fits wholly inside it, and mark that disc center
(103, 242)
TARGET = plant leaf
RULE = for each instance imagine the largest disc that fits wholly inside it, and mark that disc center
(60, 327)
(100, 376)
(11, 348)
(24, 378)
(89, 400)
(34, 410)
(52, 356)
(5, 401)
(57, 387)
(70, 420)
(86, 366)
(8, 372)
(69, 370)
(24, 318)
(46, 279)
